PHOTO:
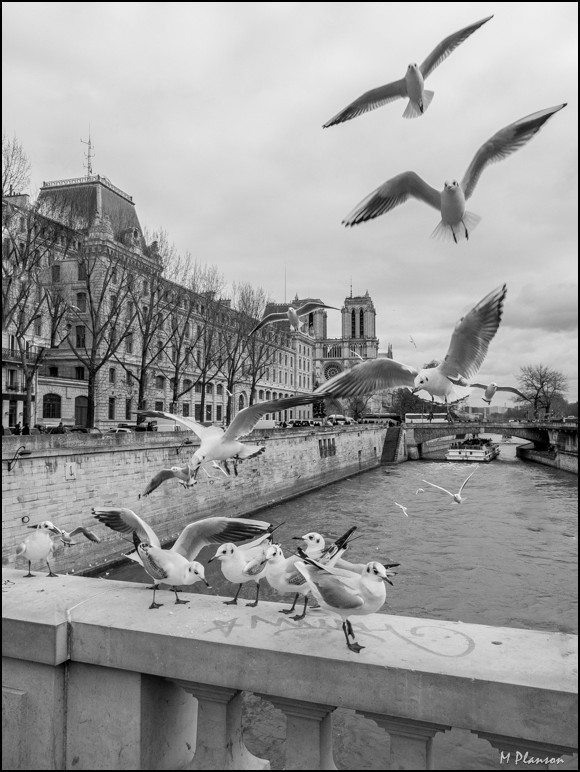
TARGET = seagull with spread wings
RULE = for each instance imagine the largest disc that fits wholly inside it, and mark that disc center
(218, 446)
(457, 498)
(467, 350)
(491, 388)
(412, 86)
(292, 315)
(456, 222)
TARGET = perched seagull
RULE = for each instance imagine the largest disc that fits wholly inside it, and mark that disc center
(346, 593)
(39, 545)
(195, 536)
(467, 350)
(455, 496)
(169, 567)
(451, 200)
(411, 86)
(66, 537)
(491, 388)
(244, 563)
(218, 445)
(292, 315)
(403, 508)
(281, 572)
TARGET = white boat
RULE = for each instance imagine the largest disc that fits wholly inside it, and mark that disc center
(475, 449)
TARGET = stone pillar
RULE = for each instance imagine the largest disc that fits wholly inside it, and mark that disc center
(308, 733)
(514, 753)
(411, 741)
(220, 742)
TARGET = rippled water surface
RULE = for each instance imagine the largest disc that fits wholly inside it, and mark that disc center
(505, 556)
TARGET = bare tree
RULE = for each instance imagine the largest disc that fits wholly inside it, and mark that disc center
(15, 167)
(260, 351)
(541, 385)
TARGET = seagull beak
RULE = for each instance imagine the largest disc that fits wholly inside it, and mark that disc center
(214, 557)
(206, 582)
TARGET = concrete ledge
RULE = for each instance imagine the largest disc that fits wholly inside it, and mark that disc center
(504, 681)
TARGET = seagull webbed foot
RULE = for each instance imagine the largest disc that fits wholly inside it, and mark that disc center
(156, 605)
(355, 647)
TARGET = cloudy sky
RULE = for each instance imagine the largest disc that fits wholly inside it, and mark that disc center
(210, 115)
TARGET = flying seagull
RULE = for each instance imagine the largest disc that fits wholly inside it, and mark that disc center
(467, 350)
(403, 508)
(456, 222)
(411, 86)
(455, 496)
(66, 537)
(292, 315)
(217, 445)
(491, 388)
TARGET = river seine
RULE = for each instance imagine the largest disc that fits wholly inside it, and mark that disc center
(505, 556)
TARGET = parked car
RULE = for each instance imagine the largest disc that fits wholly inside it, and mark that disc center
(339, 420)
(118, 430)
(297, 423)
(86, 429)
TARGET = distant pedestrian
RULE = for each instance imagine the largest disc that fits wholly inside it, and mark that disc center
(16, 429)
(26, 429)
(59, 429)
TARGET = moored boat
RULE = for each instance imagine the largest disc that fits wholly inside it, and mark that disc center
(474, 449)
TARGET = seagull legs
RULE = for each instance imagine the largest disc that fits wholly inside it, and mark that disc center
(50, 571)
(234, 600)
(177, 598)
(348, 631)
(466, 231)
(303, 614)
(291, 609)
(255, 603)
(29, 574)
(153, 604)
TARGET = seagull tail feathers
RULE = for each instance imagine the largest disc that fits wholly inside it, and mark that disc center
(445, 232)
(414, 110)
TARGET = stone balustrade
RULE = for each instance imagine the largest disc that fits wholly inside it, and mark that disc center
(94, 679)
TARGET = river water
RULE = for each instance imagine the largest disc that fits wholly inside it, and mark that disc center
(505, 556)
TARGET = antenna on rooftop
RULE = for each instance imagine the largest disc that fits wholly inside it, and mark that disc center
(89, 154)
(351, 286)
(284, 282)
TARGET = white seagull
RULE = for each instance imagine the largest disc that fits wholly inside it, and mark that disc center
(491, 388)
(456, 222)
(467, 350)
(455, 496)
(66, 537)
(346, 593)
(403, 508)
(169, 567)
(195, 536)
(244, 563)
(38, 545)
(411, 86)
(218, 446)
(292, 315)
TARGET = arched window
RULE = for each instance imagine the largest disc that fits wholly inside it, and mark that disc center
(362, 323)
(353, 323)
(159, 382)
(241, 402)
(51, 406)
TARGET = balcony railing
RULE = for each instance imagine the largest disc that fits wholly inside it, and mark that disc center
(14, 355)
(94, 679)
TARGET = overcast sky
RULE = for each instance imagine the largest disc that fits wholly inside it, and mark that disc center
(210, 116)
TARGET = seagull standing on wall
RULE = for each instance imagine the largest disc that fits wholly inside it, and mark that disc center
(456, 222)
(412, 86)
(39, 545)
(218, 446)
(292, 315)
(467, 350)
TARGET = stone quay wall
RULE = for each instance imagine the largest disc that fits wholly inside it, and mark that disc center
(65, 476)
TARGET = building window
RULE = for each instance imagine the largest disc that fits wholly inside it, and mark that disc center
(159, 406)
(241, 402)
(219, 390)
(209, 388)
(80, 373)
(187, 384)
(159, 383)
(362, 323)
(114, 277)
(81, 301)
(185, 409)
(112, 375)
(208, 412)
(81, 410)
(198, 388)
(353, 323)
(38, 327)
(218, 412)
(51, 406)
(82, 273)
(111, 408)
(129, 343)
(55, 270)
(197, 415)
(128, 409)
(80, 334)
(53, 372)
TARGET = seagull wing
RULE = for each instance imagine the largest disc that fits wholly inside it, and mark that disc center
(368, 377)
(392, 193)
(126, 521)
(311, 306)
(505, 142)
(247, 418)
(472, 336)
(181, 473)
(336, 591)
(442, 51)
(376, 97)
(437, 486)
(513, 391)
(270, 319)
(464, 483)
(216, 530)
(89, 534)
(187, 423)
